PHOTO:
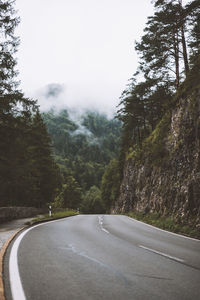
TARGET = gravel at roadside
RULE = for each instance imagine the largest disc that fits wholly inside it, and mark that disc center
(7, 229)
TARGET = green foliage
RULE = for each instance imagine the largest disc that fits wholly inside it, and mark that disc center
(164, 55)
(28, 173)
(142, 109)
(193, 18)
(8, 47)
(159, 46)
(92, 202)
(55, 215)
(154, 147)
(45, 173)
(191, 85)
(70, 195)
(83, 148)
(110, 184)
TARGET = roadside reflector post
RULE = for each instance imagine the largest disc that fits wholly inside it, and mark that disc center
(49, 210)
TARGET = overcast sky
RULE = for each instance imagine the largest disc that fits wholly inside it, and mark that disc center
(79, 53)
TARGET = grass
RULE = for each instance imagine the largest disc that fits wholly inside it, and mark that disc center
(54, 216)
(166, 223)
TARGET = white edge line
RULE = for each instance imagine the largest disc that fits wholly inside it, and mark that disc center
(15, 281)
(173, 233)
(161, 253)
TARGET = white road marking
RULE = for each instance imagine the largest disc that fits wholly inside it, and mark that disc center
(15, 281)
(101, 224)
(105, 230)
(83, 254)
(173, 233)
(161, 253)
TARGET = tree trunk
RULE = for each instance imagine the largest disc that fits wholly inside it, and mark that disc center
(184, 46)
(176, 57)
(185, 56)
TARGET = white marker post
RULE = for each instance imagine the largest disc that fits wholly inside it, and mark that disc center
(49, 210)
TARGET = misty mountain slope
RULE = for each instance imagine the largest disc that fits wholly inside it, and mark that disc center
(83, 146)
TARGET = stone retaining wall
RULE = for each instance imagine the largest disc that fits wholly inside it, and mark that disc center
(10, 213)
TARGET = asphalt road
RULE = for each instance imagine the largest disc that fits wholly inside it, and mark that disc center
(102, 257)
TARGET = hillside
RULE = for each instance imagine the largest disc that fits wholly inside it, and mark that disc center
(83, 147)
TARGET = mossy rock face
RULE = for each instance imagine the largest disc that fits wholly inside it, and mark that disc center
(163, 176)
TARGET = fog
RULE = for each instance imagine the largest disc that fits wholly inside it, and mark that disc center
(79, 54)
(76, 100)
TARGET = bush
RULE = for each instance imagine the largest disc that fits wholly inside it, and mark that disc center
(92, 202)
(70, 195)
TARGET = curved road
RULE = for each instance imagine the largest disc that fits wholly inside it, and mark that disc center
(101, 257)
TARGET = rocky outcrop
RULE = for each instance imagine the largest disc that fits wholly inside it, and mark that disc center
(167, 182)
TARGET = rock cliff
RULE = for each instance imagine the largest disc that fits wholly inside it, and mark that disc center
(164, 176)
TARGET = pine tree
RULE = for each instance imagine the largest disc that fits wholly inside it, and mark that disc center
(14, 108)
(193, 18)
(43, 172)
(163, 52)
(8, 46)
(110, 184)
(28, 174)
(142, 108)
(71, 193)
(159, 47)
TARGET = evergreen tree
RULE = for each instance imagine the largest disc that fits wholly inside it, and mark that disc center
(192, 12)
(92, 202)
(163, 58)
(110, 184)
(43, 170)
(28, 175)
(159, 47)
(170, 35)
(15, 110)
(142, 108)
(83, 147)
(8, 46)
(71, 193)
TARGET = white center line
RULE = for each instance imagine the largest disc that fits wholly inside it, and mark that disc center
(101, 224)
(163, 254)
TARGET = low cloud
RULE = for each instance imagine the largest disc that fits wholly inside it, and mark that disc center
(60, 96)
(53, 90)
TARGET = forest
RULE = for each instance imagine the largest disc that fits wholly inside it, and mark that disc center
(168, 53)
(49, 158)
(82, 149)
(29, 175)
(169, 58)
